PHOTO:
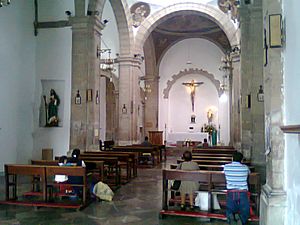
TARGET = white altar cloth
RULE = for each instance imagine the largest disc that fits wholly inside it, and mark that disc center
(183, 136)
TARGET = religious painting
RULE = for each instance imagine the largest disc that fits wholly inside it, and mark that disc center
(89, 95)
(275, 36)
(52, 105)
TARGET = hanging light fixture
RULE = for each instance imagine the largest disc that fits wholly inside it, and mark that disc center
(226, 68)
(106, 64)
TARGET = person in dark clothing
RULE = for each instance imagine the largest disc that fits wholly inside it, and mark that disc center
(146, 142)
(75, 161)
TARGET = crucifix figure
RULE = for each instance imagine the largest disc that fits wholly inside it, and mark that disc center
(192, 85)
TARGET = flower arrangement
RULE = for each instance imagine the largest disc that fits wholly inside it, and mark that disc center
(209, 128)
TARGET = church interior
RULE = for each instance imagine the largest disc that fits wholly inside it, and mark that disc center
(98, 75)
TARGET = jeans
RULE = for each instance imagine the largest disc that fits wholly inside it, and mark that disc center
(238, 202)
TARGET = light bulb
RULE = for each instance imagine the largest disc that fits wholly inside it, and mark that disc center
(223, 97)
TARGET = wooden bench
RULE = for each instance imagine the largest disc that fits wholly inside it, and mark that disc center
(212, 162)
(213, 150)
(197, 157)
(125, 160)
(211, 167)
(12, 172)
(44, 162)
(112, 169)
(46, 180)
(76, 171)
(212, 179)
(154, 151)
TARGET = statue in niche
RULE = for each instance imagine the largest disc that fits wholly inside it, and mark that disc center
(210, 116)
(51, 109)
(192, 85)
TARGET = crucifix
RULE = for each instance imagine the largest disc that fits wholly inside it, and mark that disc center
(192, 85)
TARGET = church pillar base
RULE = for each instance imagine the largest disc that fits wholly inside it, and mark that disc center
(272, 206)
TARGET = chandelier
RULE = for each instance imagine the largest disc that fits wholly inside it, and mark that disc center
(106, 64)
(230, 7)
(4, 3)
(226, 68)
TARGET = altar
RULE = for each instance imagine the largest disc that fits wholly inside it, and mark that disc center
(173, 138)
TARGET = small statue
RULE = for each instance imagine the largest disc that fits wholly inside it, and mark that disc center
(52, 109)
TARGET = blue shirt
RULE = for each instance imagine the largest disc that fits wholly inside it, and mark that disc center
(236, 175)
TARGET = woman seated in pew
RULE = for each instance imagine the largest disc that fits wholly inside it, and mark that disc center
(188, 187)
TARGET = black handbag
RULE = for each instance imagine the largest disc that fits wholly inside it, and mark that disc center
(176, 184)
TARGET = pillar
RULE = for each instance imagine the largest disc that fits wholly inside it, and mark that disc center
(129, 99)
(86, 32)
(273, 196)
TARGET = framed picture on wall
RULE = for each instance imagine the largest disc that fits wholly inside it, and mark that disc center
(89, 95)
(275, 31)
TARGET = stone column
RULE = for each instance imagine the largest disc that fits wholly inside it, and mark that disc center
(252, 111)
(129, 98)
(86, 31)
(235, 106)
(273, 197)
(151, 103)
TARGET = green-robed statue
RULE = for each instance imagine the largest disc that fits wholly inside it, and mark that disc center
(52, 109)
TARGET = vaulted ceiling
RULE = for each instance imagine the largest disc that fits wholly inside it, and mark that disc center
(185, 26)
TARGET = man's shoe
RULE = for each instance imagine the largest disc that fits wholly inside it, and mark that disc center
(231, 220)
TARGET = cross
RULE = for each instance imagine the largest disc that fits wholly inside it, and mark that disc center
(192, 85)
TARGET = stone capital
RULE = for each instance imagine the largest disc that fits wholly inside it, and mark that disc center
(82, 23)
(129, 61)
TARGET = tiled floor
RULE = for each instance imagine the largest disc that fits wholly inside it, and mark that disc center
(136, 203)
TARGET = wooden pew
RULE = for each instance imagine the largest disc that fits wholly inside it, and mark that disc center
(211, 178)
(198, 157)
(12, 171)
(211, 167)
(97, 170)
(44, 162)
(212, 162)
(213, 151)
(212, 154)
(154, 151)
(112, 168)
(46, 175)
(77, 171)
(123, 158)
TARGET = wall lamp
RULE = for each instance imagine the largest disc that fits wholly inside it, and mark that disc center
(124, 109)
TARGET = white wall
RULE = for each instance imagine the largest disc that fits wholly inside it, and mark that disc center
(17, 66)
(53, 65)
(175, 112)
(110, 34)
(292, 109)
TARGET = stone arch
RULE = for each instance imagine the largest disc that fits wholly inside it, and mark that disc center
(185, 72)
(208, 11)
(124, 22)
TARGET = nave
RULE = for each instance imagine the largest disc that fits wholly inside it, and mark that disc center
(136, 203)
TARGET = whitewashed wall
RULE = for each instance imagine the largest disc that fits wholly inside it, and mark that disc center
(292, 109)
(17, 66)
(110, 34)
(53, 65)
(175, 112)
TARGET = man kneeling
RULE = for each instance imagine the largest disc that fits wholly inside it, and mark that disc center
(236, 175)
